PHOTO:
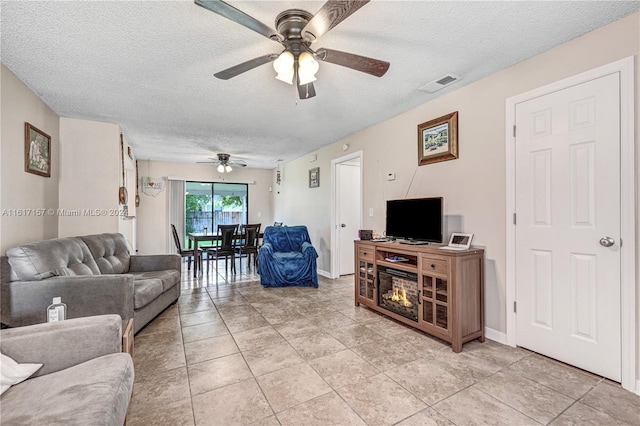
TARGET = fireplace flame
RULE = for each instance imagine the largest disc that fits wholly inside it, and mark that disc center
(401, 296)
(396, 296)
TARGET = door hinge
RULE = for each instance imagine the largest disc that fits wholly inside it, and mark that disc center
(514, 130)
(514, 218)
(515, 310)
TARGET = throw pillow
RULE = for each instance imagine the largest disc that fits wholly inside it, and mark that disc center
(12, 373)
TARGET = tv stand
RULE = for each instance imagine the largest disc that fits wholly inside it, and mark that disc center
(444, 289)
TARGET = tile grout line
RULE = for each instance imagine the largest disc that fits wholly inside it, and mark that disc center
(186, 365)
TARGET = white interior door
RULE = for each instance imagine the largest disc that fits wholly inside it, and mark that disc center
(567, 233)
(348, 212)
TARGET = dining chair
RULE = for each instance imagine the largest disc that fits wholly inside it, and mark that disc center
(227, 236)
(250, 244)
(188, 253)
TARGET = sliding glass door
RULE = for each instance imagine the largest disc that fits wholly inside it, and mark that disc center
(209, 204)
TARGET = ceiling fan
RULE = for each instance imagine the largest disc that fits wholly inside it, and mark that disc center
(296, 31)
(224, 165)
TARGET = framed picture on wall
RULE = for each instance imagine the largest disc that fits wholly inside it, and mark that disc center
(37, 151)
(314, 177)
(438, 139)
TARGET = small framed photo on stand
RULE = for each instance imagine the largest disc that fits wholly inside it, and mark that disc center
(366, 234)
(459, 241)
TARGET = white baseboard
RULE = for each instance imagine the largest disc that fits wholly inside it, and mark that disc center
(495, 335)
(325, 274)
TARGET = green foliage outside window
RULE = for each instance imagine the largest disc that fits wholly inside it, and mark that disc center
(229, 201)
(194, 204)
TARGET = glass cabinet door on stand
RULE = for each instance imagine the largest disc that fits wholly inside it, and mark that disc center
(366, 274)
(435, 294)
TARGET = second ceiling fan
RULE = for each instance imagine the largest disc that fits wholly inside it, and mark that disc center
(296, 31)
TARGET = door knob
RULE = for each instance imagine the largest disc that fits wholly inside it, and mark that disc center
(607, 241)
(342, 225)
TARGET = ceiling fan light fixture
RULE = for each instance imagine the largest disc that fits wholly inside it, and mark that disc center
(306, 78)
(228, 168)
(220, 168)
(286, 77)
(284, 63)
(307, 68)
(308, 64)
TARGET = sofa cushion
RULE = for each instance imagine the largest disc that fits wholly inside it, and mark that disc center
(51, 258)
(110, 251)
(146, 291)
(94, 392)
(169, 277)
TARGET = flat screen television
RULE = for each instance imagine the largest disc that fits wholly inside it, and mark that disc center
(417, 219)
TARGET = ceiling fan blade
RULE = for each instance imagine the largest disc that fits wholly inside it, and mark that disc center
(245, 66)
(237, 164)
(230, 12)
(331, 14)
(306, 91)
(359, 63)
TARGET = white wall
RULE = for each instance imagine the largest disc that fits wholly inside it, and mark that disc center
(297, 204)
(22, 190)
(152, 216)
(85, 172)
(89, 176)
(474, 185)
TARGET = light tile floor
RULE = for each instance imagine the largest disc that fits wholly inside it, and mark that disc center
(231, 352)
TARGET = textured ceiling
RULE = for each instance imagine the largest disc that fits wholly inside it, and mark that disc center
(149, 65)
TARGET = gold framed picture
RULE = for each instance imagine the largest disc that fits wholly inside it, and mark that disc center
(438, 139)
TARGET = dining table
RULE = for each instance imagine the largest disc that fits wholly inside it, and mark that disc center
(196, 237)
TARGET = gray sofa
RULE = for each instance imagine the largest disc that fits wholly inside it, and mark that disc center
(93, 274)
(85, 378)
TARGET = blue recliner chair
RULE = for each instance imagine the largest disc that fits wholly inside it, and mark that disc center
(287, 258)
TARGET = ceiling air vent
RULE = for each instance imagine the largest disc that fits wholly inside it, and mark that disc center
(440, 83)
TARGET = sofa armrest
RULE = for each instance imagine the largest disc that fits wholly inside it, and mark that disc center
(60, 345)
(309, 251)
(266, 250)
(25, 302)
(156, 262)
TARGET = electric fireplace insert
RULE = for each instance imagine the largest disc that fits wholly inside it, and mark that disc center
(398, 292)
